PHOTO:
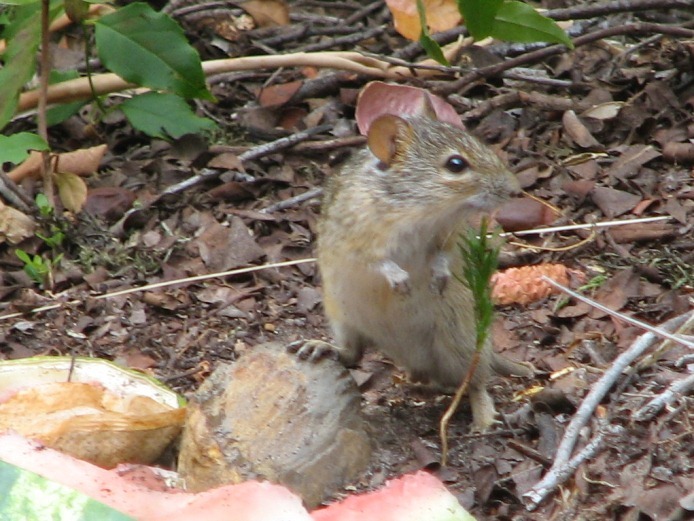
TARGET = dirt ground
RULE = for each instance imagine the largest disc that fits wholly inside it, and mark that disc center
(633, 157)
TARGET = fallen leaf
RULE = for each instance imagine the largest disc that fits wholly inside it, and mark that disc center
(267, 13)
(607, 110)
(378, 98)
(524, 214)
(84, 161)
(578, 132)
(278, 94)
(441, 15)
(15, 226)
(72, 190)
(613, 202)
(109, 202)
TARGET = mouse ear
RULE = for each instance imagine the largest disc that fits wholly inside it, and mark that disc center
(388, 135)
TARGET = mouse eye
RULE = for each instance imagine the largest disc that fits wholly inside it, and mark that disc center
(456, 164)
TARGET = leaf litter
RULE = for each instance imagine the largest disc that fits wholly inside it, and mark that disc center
(638, 162)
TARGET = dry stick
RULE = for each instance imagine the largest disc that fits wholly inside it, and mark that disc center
(443, 424)
(679, 387)
(77, 89)
(46, 165)
(563, 466)
(540, 54)
(292, 201)
(620, 316)
(248, 155)
(620, 6)
(164, 284)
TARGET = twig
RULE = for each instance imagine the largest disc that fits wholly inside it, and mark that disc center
(78, 89)
(14, 194)
(349, 39)
(620, 316)
(293, 201)
(619, 6)
(248, 155)
(559, 471)
(45, 62)
(679, 387)
(541, 54)
(587, 226)
(158, 285)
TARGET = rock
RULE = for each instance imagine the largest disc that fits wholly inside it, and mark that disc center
(273, 416)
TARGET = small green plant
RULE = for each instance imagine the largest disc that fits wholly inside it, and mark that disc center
(480, 259)
(40, 269)
(142, 46)
(57, 235)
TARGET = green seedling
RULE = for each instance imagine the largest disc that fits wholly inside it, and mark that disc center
(39, 269)
(480, 259)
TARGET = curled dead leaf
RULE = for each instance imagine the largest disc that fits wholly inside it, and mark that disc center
(15, 226)
(84, 161)
(267, 13)
(378, 98)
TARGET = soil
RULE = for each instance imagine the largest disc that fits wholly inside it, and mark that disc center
(590, 166)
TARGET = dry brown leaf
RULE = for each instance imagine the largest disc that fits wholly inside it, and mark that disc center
(524, 214)
(275, 95)
(577, 131)
(72, 190)
(524, 285)
(378, 98)
(267, 13)
(84, 161)
(441, 16)
(614, 202)
(14, 225)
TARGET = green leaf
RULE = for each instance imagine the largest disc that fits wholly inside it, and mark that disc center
(18, 2)
(149, 49)
(519, 22)
(30, 497)
(479, 15)
(22, 35)
(432, 48)
(163, 115)
(16, 148)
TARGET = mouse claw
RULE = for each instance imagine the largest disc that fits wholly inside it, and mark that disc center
(313, 350)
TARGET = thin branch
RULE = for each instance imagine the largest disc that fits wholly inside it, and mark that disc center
(586, 226)
(541, 54)
(679, 387)
(159, 285)
(557, 474)
(619, 6)
(293, 201)
(45, 65)
(620, 316)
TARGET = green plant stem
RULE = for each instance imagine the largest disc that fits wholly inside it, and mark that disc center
(46, 169)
